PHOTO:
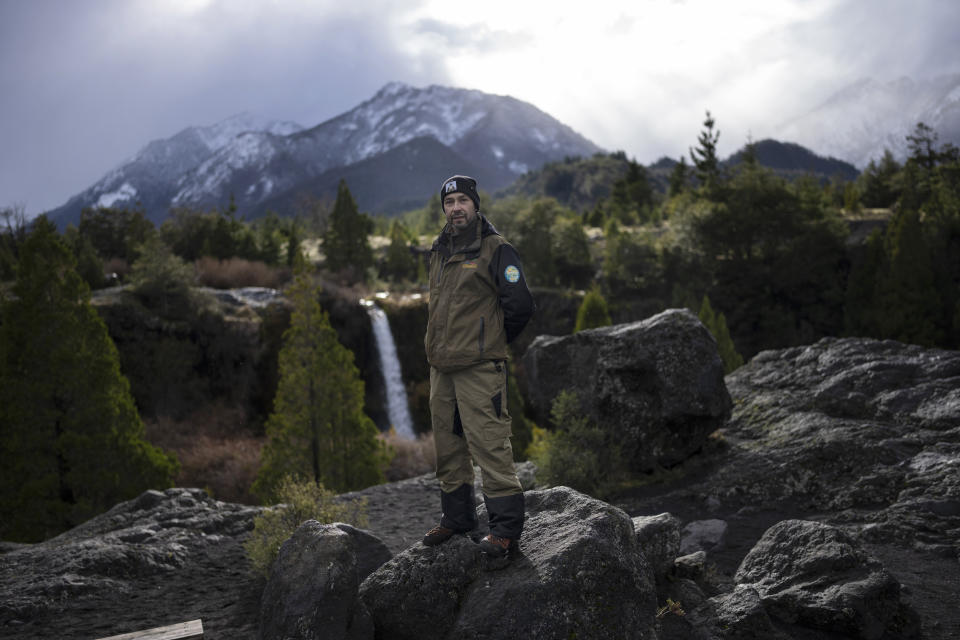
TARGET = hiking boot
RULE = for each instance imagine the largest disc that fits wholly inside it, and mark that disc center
(496, 546)
(437, 535)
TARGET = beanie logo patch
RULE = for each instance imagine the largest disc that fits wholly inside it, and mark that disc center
(450, 186)
(512, 274)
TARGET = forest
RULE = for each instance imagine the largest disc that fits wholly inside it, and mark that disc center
(90, 412)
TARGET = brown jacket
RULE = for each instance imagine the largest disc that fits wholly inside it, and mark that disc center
(479, 300)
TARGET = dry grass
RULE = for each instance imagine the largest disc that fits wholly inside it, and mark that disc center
(233, 273)
(217, 452)
(412, 457)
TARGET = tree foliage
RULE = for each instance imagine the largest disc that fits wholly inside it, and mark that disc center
(593, 312)
(345, 244)
(72, 443)
(400, 263)
(706, 162)
(318, 430)
(716, 323)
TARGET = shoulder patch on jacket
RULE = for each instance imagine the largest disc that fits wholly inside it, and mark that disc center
(511, 274)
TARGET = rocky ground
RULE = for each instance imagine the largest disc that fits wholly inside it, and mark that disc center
(857, 434)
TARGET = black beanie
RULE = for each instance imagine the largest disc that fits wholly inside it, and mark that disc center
(460, 184)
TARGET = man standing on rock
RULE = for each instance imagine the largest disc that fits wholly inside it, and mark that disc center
(479, 302)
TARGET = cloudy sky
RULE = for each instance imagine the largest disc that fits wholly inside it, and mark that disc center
(84, 84)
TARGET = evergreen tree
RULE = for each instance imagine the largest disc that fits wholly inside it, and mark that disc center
(879, 182)
(534, 240)
(716, 323)
(909, 299)
(345, 244)
(679, 177)
(593, 312)
(574, 263)
(861, 312)
(399, 263)
(706, 161)
(318, 430)
(71, 441)
(632, 195)
(162, 280)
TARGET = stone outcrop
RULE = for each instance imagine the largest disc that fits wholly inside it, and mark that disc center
(579, 574)
(122, 571)
(866, 430)
(834, 484)
(860, 434)
(656, 385)
(312, 591)
(817, 576)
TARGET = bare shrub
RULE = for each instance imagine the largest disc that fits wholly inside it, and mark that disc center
(411, 457)
(234, 273)
(217, 452)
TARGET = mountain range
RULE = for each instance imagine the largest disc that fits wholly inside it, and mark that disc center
(393, 149)
(860, 121)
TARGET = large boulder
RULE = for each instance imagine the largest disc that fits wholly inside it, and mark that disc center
(159, 559)
(814, 575)
(656, 385)
(579, 573)
(312, 591)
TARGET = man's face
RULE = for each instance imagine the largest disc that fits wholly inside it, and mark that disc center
(459, 209)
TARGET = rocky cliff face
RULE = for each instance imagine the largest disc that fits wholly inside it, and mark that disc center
(827, 506)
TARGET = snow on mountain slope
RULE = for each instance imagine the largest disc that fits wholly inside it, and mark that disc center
(503, 135)
(252, 160)
(859, 122)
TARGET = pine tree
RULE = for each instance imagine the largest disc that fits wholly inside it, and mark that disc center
(593, 312)
(679, 177)
(318, 430)
(909, 299)
(345, 244)
(71, 443)
(399, 263)
(706, 161)
(716, 323)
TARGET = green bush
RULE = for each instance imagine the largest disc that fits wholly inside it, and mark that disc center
(593, 312)
(578, 454)
(300, 500)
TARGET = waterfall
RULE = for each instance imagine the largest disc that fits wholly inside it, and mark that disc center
(397, 407)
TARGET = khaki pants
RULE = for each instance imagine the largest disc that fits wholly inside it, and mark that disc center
(470, 420)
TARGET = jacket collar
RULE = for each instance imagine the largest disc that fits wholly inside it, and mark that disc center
(444, 241)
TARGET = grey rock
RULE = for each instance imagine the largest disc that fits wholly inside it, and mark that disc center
(578, 573)
(815, 575)
(740, 615)
(656, 385)
(161, 558)
(312, 591)
(693, 565)
(659, 539)
(702, 535)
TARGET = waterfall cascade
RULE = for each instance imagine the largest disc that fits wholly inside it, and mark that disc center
(397, 406)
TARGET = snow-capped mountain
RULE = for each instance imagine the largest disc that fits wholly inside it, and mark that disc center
(272, 164)
(150, 176)
(859, 122)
